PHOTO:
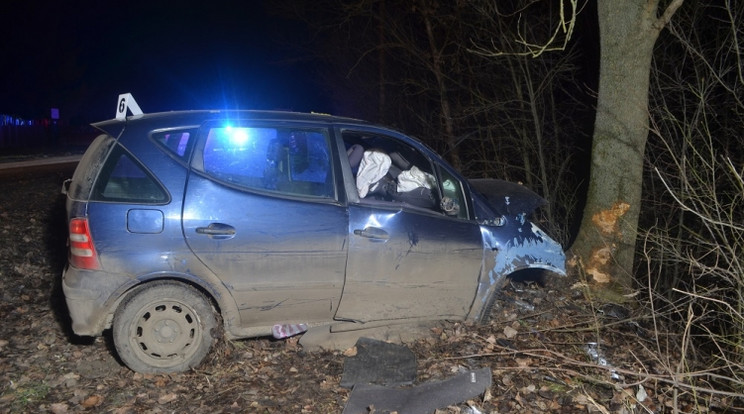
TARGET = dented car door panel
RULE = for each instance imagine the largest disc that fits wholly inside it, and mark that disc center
(405, 263)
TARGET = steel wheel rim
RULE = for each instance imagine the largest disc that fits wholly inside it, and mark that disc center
(166, 332)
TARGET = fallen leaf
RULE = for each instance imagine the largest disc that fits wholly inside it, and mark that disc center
(59, 408)
(524, 362)
(507, 380)
(351, 352)
(487, 395)
(579, 285)
(166, 398)
(92, 401)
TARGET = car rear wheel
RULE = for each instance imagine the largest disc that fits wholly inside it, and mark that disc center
(164, 327)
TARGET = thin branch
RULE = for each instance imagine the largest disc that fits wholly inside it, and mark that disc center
(665, 18)
(720, 302)
(565, 26)
(564, 360)
(685, 207)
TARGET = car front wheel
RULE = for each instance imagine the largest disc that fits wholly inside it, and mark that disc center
(163, 327)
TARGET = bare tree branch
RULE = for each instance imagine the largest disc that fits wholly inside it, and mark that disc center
(564, 28)
(668, 13)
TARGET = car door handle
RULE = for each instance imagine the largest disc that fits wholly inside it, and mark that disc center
(372, 233)
(217, 231)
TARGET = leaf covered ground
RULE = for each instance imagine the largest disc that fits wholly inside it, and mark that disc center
(550, 349)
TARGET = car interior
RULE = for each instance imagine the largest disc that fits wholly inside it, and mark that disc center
(388, 170)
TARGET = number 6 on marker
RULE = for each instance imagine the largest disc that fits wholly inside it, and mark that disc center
(126, 100)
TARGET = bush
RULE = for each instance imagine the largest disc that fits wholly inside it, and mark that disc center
(694, 226)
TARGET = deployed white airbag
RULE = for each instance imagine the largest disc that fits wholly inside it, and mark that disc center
(374, 165)
(414, 178)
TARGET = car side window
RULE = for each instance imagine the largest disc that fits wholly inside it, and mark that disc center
(293, 161)
(176, 142)
(122, 179)
(387, 169)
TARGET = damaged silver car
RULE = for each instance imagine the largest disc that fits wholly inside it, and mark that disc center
(185, 225)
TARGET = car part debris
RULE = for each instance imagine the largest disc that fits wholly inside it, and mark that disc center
(381, 363)
(287, 330)
(421, 399)
(594, 350)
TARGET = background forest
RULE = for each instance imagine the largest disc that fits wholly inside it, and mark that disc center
(508, 89)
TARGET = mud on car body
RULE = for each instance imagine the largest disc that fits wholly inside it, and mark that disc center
(187, 224)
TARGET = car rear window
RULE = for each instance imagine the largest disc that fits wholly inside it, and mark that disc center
(122, 179)
(294, 161)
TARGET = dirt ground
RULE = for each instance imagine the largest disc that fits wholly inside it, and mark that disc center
(549, 349)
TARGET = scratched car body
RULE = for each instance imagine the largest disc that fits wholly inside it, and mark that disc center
(272, 222)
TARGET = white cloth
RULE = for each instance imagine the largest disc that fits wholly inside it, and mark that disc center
(414, 178)
(374, 166)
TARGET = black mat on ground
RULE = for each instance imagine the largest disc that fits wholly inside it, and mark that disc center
(381, 363)
(422, 399)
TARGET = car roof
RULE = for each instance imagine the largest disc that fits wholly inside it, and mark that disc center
(197, 117)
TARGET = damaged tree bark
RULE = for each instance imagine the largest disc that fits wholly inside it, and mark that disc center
(606, 242)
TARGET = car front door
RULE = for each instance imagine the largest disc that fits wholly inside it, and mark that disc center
(406, 261)
(261, 212)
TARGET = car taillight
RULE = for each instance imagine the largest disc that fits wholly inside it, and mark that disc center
(82, 251)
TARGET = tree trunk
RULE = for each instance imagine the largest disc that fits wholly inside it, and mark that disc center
(606, 241)
(447, 119)
(381, 64)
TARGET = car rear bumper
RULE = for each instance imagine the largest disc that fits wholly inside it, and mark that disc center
(90, 299)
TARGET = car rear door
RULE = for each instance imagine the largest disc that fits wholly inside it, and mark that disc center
(261, 212)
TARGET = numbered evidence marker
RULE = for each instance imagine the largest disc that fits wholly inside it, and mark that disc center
(126, 101)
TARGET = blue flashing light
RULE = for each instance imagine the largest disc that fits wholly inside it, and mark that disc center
(238, 137)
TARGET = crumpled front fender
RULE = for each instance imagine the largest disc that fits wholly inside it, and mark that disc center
(530, 248)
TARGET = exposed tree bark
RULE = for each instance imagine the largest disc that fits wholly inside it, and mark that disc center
(606, 241)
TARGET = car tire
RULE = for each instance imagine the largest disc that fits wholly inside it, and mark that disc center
(164, 327)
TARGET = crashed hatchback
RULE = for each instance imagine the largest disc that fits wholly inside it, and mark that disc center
(184, 225)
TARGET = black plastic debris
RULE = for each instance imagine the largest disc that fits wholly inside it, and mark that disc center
(381, 363)
(421, 399)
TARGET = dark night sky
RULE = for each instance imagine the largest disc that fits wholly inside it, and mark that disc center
(170, 55)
